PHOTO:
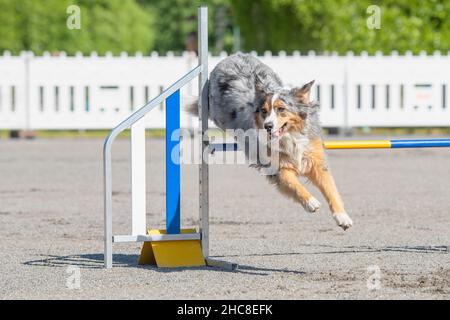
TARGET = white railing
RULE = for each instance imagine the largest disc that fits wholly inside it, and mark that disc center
(92, 92)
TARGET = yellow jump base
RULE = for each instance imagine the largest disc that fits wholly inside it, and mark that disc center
(172, 254)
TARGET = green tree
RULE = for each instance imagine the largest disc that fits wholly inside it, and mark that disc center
(106, 25)
(340, 25)
(9, 27)
(176, 24)
(162, 25)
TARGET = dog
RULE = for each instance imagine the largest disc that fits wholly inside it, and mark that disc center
(244, 93)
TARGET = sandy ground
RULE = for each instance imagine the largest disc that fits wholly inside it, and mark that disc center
(51, 215)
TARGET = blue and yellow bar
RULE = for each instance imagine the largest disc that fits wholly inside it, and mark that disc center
(387, 144)
(360, 144)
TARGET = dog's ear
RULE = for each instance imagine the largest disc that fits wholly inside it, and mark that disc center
(302, 94)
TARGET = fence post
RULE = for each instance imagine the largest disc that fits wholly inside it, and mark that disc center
(27, 56)
(346, 129)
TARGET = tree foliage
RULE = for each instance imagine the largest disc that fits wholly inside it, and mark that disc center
(340, 25)
(106, 25)
(176, 23)
(163, 25)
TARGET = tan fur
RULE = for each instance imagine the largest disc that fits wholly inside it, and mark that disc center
(303, 95)
(319, 174)
(314, 168)
(266, 106)
(289, 185)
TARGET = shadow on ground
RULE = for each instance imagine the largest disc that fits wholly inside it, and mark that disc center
(352, 249)
(95, 261)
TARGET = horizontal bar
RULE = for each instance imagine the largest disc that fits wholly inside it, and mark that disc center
(357, 144)
(427, 143)
(348, 144)
(157, 237)
(213, 147)
(387, 144)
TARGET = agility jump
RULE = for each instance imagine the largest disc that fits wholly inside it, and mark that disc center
(174, 246)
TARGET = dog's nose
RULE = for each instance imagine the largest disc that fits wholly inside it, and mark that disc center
(268, 126)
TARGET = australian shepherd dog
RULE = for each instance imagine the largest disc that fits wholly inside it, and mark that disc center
(246, 94)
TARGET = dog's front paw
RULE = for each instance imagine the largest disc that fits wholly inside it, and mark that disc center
(312, 205)
(343, 220)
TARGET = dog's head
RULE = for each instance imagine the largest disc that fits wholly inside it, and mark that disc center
(285, 111)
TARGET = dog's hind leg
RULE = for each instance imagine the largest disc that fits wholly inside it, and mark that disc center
(288, 183)
(319, 174)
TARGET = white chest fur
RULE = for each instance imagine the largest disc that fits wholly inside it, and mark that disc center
(295, 145)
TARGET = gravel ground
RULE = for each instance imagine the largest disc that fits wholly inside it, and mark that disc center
(51, 213)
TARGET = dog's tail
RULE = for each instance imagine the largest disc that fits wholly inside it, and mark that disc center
(192, 108)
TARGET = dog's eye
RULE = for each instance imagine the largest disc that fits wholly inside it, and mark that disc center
(263, 111)
(281, 109)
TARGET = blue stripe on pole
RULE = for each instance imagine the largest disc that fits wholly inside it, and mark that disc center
(173, 163)
(424, 143)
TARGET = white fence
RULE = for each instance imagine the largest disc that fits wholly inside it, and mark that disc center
(91, 92)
